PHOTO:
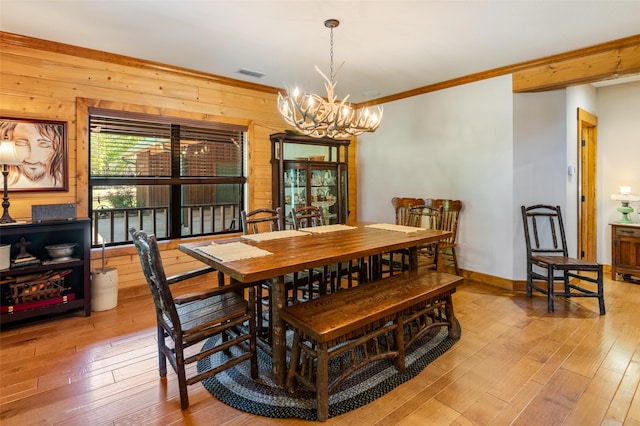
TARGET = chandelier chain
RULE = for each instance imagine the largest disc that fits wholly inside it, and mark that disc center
(331, 56)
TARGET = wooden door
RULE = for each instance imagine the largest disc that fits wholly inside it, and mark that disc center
(587, 212)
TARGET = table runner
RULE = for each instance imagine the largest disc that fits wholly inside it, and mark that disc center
(327, 228)
(233, 251)
(267, 236)
(397, 228)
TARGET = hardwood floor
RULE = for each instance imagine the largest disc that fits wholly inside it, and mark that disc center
(515, 364)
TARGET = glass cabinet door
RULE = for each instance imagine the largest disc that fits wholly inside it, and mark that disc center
(295, 191)
(324, 193)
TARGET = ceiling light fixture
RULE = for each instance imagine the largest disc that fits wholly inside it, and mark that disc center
(318, 117)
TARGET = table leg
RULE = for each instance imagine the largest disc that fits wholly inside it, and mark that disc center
(278, 294)
(413, 258)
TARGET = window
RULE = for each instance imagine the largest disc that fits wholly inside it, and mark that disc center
(171, 177)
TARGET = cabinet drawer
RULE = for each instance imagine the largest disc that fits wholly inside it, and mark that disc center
(627, 231)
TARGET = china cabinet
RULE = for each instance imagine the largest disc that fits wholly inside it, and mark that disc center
(37, 284)
(625, 250)
(310, 171)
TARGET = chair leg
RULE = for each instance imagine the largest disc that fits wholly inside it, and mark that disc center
(252, 332)
(550, 275)
(363, 275)
(600, 292)
(182, 375)
(162, 358)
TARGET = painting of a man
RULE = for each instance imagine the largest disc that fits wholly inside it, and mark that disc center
(41, 148)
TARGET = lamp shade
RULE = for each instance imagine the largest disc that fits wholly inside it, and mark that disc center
(625, 197)
(8, 154)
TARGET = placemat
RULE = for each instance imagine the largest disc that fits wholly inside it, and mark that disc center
(327, 228)
(397, 228)
(266, 236)
(233, 251)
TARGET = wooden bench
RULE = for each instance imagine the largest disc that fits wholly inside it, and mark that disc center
(363, 324)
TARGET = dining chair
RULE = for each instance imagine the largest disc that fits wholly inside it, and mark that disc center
(185, 322)
(428, 217)
(402, 207)
(421, 216)
(307, 216)
(314, 281)
(451, 210)
(254, 222)
(261, 220)
(548, 259)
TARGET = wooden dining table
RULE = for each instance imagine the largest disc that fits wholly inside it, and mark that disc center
(300, 251)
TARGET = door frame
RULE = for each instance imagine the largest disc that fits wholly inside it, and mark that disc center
(587, 199)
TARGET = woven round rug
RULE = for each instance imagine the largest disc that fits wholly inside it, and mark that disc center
(263, 397)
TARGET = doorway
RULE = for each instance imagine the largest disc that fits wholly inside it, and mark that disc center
(587, 209)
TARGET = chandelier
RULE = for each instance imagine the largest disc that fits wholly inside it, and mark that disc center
(318, 117)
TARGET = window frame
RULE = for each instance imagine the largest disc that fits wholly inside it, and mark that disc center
(175, 181)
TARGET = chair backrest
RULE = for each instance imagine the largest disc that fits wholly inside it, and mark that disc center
(402, 206)
(450, 217)
(151, 262)
(262, 220)
(425, 217)
(307, 216)
(544, 230)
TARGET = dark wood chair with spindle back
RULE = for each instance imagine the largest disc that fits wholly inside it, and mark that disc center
(254, 222)
(184, 322)
(307, 216)
(261, 220)
(352, 270)
(314, 281)
(548, 259)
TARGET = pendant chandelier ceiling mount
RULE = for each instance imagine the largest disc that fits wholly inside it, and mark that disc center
(313, 115)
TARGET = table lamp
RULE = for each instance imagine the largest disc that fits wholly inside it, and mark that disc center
(8, 156)
(625, 197)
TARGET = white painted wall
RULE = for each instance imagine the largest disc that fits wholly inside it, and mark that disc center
(539, 161)
(455, 143)
(495, 151)
(618, 111)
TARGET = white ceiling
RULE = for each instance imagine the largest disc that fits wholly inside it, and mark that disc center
(387, 47)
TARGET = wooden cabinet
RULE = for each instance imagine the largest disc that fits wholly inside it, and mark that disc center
(44, 285)
(625, 250)
(310, 171)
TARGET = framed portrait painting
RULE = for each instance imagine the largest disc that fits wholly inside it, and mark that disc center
(41, 146)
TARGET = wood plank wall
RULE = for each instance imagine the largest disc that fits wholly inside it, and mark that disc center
(53, 81)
